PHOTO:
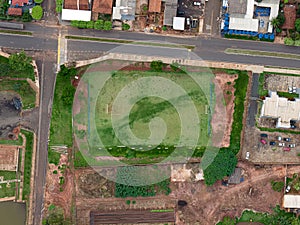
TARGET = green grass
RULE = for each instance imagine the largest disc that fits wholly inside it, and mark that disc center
(280, 55)
(287, 95)
(22, 88)
(6, 71)
(8, 191)
(122, 41)
(16, 32)
(61, 122)
(79, 160)
(19, 141)
(261, 90)
(254, 216)
(27, 164)
(278, 130)
(53, 157)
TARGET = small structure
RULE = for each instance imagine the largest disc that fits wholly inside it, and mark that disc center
(290, 17)
(76, 10)
(154, 6)
(124, 10)
(102, 6)
(170, 12)
(14, 11)
(178, 23)
(236, 177)
(291, 201)
(281, 109)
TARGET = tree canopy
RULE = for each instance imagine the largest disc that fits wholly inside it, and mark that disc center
(37, 12)
(297, 25)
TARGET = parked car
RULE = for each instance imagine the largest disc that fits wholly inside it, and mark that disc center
(272, 143)
(264, 135)
(287, 149)
(288, 188)
(281, 144)
(247, 155)
(287, 139)
(263, 141)
(292, 145)
(279, 138)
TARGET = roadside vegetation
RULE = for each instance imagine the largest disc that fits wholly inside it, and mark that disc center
(19, 141)
(27, 163)
(55, 216)
(97, 25)
(37, 12)
(277, 217)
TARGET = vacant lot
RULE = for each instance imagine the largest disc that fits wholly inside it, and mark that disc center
(8, 157)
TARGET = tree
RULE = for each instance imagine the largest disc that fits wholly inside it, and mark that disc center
(223, 165)
(38, 1)
(275, 23)
(26, 17)
(281, 19)
(297, 25)
(37, 12)
(289, 41)
(125, 26)
(99, 24)
(107, 25)
(156, 66)
(20, 62)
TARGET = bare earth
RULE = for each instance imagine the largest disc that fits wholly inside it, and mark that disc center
(223, 113)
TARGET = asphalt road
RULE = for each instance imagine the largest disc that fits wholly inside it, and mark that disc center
(44, 39)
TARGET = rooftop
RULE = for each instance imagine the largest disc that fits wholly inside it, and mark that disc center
(290, 16)
(76, 4)
(19, 2)
(15, 11)
(170, 12)
(154, 6)
(235, 178)
(103, 6)
(70, 14)
(291, 201)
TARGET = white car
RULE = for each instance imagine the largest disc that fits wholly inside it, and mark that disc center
(288, 188)
(279, 138)
(247, 155)
(281, 144)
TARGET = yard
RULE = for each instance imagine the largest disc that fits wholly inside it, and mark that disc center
(9, 189)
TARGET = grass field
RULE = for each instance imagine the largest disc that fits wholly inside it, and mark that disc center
(8, 191)
(22, 88)
(7, 72)
(28, 161)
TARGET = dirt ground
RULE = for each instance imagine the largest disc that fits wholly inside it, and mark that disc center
(223, 116)
(56, 194)
(208, 205)
(8, 157)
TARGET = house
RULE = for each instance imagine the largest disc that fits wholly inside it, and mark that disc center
(154, 6)
(19, 3)
(290, 16)
(76, 10)
(281, 108)
(102, 6)
(170, 12)
(14, 11)
(291, 201)
(124, 10)
(249, 15)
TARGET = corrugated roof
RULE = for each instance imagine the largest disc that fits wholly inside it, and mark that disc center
(19, 2)
(15, 11)
(170, 12)
(235, 178)
(154, 6)
(291, 201)
(243, 24)
(74, 4)
(103, 6)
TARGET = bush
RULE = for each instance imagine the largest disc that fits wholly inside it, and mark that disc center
(164, 28)
(156, 66)
(125, 26)
(288, 41)
(128, 202)
(82, 24)
(38, 1)
(99, 24)
(37, 12)
(277, 186)
(297, 25)
(26, 17)
(55, 172)
(74, 23)
(107, 25)
(59, 6)
(90, 25)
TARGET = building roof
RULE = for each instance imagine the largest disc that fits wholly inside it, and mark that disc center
(15, 11)
(281, 108)
(237, 6)
(170, 12)
(290, 17)
(291, 201)
(235, 178)
(70, 14)
(178, 23)
(76, 4)
(124, 10)
(154, 6)
(243, 24)
(19, 2)
(103, 6)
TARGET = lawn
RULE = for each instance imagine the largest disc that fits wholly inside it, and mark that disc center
(12, 142)
(28, 163)
(6, 71)
(8, 191)
(22, 88)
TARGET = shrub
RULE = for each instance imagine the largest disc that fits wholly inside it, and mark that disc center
(38, 1)
(125, 26)
(164, 28)
(59, 6)
(55, 172)
(99, 24)
(128, 202)
(82, 24)
(26, 17)
(289, 41)
(107, 25)
(277, 186)
(90, 25)
(37, 12)
(297, 25)
(74, 23)
(156, 66)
